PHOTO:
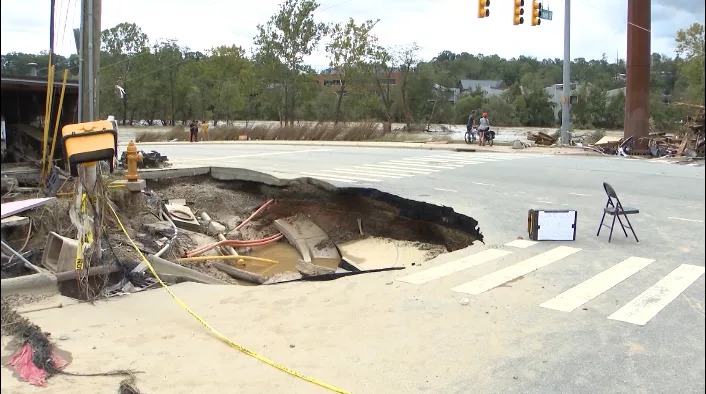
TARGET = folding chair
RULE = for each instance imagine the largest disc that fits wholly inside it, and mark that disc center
(616, 209)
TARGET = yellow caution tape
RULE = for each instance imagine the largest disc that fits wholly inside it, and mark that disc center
(213, 330)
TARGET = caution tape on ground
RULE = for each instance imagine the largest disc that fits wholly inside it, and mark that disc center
(213, 330)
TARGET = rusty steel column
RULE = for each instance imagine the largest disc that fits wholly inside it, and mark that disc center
(637, 91)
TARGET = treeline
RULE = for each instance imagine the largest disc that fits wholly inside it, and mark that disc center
(165, 81)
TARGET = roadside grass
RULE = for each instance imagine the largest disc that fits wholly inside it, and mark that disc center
(324, 132)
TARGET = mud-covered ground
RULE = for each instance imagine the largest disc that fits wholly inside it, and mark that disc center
(344, 217)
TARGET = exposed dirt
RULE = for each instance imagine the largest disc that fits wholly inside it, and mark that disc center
(345, 215)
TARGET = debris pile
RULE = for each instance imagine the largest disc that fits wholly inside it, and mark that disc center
(152, 159)
(542, 138)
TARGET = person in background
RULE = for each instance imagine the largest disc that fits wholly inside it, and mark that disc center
(471, 122)
(483, 126)
(204, 129)
(193, 131)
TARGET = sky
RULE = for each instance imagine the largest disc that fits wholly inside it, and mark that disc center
(597, 26)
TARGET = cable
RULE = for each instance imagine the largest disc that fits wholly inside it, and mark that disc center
(66, 20)
(263, 206)
(209, 327)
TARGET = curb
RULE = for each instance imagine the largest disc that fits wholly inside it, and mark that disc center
(395, 145)
(30, 283)
(388, 145)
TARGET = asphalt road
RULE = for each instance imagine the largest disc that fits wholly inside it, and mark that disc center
(580, 317)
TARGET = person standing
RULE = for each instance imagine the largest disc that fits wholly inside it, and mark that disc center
(204, 129)
(193, 131)
(483, 126)
(471, 124)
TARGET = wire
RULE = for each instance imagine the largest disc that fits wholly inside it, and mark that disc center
(66, 20)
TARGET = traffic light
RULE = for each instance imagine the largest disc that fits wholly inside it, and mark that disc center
(536, 13)
(483, 10)
(519, 11)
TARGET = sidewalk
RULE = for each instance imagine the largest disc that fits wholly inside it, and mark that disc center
(399, 145)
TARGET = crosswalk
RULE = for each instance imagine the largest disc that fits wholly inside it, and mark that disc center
(408, 167)
(638, 311)
(675, 160)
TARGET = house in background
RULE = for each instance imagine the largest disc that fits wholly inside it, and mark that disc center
(451, 94)
(489, 88)
(556, 92)
(332, 78)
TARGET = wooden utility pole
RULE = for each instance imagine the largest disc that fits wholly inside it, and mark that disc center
(89, 56)
(90, 37)
(637, 90)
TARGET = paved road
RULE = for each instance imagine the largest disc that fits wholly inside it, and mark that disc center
(585, 317)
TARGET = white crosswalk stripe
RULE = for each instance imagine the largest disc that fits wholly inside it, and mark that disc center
(522, 268)
(454, 266)
(648, 304)
(599, 284)
(639, 311)
(409, 166)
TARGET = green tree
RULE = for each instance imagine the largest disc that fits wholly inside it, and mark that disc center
(351, 47)
(690, 45)
(122, 44)
(382, 68)
(289, 36)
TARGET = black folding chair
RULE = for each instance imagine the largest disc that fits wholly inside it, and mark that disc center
(615, 209)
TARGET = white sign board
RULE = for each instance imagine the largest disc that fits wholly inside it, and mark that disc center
(556, 226)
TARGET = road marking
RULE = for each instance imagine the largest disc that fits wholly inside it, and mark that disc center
(686, 220)
(328, 178)
(449, 268)
(648, 304)
(545, 202)
(416, 165)
(515, 271)
(376, 171)
(456, 160)
(473, 158)
(425, 160)
(521, 243)
(357, 178)
(355, 172)
(395, 167)
(580, 194)
(445, 190)
(599, 284)
(257, 155)
(481, 183)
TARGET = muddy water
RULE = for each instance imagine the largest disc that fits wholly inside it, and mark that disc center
(286, 255)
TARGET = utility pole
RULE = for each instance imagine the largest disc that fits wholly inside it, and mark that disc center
(637, 88)
(566, 104)
(90, 36)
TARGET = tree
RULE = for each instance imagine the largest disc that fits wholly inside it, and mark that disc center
(383, 67)
(123, 43)
(407, 58)
(690, 45)
(232, 78)
(350, 48)
(289, 36)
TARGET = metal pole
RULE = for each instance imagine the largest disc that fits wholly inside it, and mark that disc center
(566, 106)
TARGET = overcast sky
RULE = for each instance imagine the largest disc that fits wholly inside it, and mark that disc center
(598, 26)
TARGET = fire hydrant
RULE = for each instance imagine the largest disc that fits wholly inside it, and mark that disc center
(133, 157)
